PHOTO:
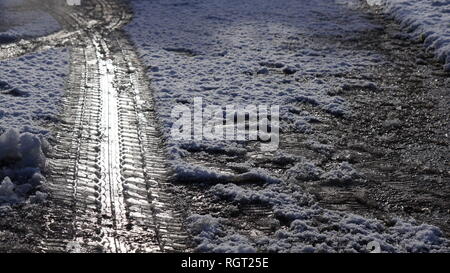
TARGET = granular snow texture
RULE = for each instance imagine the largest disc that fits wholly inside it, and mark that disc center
(428, 21)
(273, 53)
(309, 228)
(242, 52)
(31, 88)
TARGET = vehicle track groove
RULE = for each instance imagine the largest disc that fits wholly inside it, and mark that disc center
(108, 179)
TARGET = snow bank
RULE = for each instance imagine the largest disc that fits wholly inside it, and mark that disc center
(425, 20)
(21, 163)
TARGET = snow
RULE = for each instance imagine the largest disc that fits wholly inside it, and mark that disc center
(304, 171)
(17, 21)
(273, 53)
(311, 228)
(31, 88)
(7, 193)
(235, 52)
(185, 172)
(428, 21)
(21, 159)
(24, 148)
(211, 236)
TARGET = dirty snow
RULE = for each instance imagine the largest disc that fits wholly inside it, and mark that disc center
(310, 228)
(238, 52)
(428, 21)
(276, 53)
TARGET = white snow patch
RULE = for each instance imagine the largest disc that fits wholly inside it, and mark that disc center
(31, 89)
(342, 174)
(303, 171)
(243, 52)
(311, 228)
(428, 21)
(21, 159)
(211, 236)
(274, 53)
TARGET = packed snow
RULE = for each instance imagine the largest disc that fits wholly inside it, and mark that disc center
(428, 21)
(17, 21)
(273, 53)
(31, 89)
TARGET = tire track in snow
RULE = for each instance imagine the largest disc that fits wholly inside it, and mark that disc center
(108, 170)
